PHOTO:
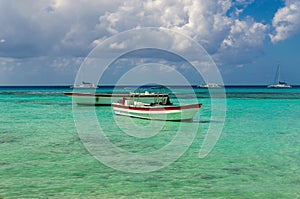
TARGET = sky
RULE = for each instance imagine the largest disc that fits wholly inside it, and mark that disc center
(46, 42)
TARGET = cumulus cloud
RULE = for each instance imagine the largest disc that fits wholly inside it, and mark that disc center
(38, 70)
(66, 28)
(208, 22)
(286, 21)
(50, 27)
(243, 42)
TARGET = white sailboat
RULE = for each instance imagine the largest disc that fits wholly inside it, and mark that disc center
(277, 82)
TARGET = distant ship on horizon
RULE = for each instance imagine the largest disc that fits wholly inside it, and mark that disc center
(209, 85)
(85, 85)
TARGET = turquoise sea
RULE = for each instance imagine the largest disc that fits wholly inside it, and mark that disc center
(257, 155)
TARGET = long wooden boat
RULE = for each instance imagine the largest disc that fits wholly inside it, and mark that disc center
(106, 99)
(156, 112)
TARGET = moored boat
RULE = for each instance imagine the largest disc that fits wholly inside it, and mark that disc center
(154, 111)
(106, 99)
(280, 85)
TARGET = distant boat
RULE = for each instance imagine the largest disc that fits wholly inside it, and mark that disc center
(277, 82)
(210, 85)
(85, 85)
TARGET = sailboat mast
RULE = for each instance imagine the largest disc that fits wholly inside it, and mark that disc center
(278, 73)
(276, 79)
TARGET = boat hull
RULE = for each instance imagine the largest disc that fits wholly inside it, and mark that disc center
(106, 99)
(167, 113)
(280, 86)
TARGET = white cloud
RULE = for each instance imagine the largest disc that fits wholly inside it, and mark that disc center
(32, 71)
(208, 22)
(243, 42)
(286, 21)
(6, 65)
(244, 3)
(51, 27)
(68, 28)
(245, 33)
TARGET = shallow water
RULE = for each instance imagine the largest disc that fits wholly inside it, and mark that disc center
(257, 155)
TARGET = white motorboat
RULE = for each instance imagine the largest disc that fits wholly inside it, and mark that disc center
(85, 85)
(210, 85)
(155, 111)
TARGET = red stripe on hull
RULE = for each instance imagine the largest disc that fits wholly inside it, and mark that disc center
(166, 108)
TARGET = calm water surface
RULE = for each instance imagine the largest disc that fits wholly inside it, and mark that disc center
(257, 155)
